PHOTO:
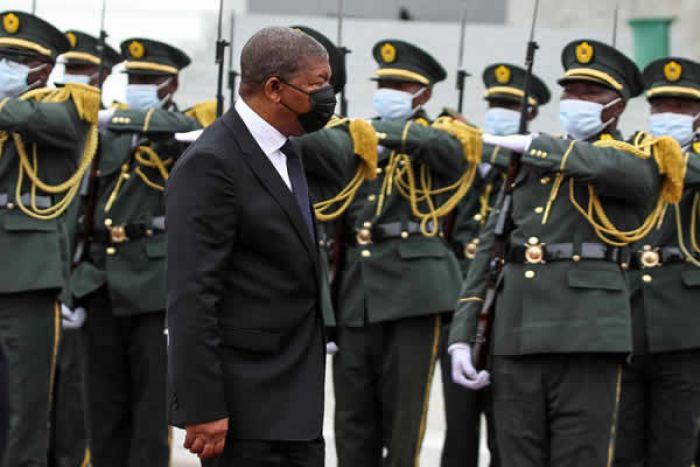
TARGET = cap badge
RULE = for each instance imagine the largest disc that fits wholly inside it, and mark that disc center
(502, 73)
(136, 50)
(584, 53)
(388, 53)
(11, 23)
(673, 71)
(72, 39)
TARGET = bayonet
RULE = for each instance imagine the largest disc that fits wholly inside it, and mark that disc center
(221, 45)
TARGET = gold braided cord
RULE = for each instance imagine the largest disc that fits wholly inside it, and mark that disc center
(151, 161)
(694, 223)
(668, 156)
(679, 232)
(123, 177)
(87, 101)
(365, 142)
(557, 183)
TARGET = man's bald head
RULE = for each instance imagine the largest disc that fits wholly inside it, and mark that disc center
(276, 52)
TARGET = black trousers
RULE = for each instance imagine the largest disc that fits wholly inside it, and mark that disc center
(463, 410)
(556, 410)
(254, 453)
(68, 441)
(660, 410)
(30, 329)
(125, 361)
(382, 378)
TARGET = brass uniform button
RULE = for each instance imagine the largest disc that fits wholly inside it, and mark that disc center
(478, 217)
(111, 251)
(576, 258)
(545, 180)
(364, 237)
(108, 222)
(379, 170)
(529, 274)
(404, 235)
(366, 253)
(367, 225)
(10, 206)
(149, 233)
(647, 278)
(539, 210)
(372, 198)
(533, 240)
(625, 266)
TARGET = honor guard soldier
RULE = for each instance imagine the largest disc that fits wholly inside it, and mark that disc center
(48, 138)
(562, 322)
(394, 266)
(68, 444)
(660, 402)
(121, 280)
(504, 84)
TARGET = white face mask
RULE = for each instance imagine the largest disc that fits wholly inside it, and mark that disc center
(392, 104)
(501, 122)
(145, 96)
(14, 78)
(583, 119)
(678, 126)
(80, 79)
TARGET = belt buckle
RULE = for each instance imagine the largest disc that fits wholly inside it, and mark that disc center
(534, 253)
(649, 257)
(363, 236)
(117, 234)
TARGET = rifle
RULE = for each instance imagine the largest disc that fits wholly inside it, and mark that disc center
(221, 45)
(34, 7)
(462, 74)
(232, 73)
(344, 51)
(88, 187)
(504, 222)
(615, 20)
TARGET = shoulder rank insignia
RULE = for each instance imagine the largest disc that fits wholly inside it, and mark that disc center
(388, 53)
(11, 23)
(673, 71)
(584, 53)
(136, 50)
(502, 73)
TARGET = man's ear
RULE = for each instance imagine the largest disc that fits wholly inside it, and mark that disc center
(533, 112)
(41, 75)
(614, 111)
(273, 89)
(173, 85)
(424, 97)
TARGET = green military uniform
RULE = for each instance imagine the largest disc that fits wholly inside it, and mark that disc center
(68, 443)
(50, 133)
(390, 284)
(562, 320)
(504, 83)
(122, 283)
(660, 402)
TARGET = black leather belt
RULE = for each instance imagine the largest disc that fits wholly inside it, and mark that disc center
(41, 202)
(542, 253)
(382, 232)
(133, 231)
(650, 257)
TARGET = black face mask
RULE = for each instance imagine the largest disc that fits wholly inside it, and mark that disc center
(323, 104)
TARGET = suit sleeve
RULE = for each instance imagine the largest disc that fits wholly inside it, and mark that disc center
(613, 173)
(202, 223)
(439, 150)
(466, 315)
(54, 124)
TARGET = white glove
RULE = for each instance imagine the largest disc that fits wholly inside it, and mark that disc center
(463, 372)
(331, 348)
(104, 117)
(188, 137)
(516, 143)
(72, 319)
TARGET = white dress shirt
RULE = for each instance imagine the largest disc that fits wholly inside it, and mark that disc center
(268, 138)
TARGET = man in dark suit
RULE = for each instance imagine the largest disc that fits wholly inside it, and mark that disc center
(244, 287)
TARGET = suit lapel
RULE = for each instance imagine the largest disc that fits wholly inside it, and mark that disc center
(269, 177)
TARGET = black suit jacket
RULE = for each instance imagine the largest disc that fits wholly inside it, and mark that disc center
(244, 289)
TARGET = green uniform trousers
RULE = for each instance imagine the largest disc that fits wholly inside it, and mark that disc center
(463, 409)
(29, 335)
(382, 375)
(659, 410)
(68, 441)
(125, 360)
(556, 410)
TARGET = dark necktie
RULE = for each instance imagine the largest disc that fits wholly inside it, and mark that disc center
(299, 186)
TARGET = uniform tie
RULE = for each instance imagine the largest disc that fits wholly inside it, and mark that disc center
(300, 188)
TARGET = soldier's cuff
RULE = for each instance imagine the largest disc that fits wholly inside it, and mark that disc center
(546, 152)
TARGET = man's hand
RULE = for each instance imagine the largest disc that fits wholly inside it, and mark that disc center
(72, 319)
(463, 372)
(207, 440)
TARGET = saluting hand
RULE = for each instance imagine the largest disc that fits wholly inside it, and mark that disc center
(207, 440)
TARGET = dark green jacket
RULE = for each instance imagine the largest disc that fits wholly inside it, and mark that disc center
(134, 270)
(397, 278)
(561, 306)
(666, 298)
(35, 252)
